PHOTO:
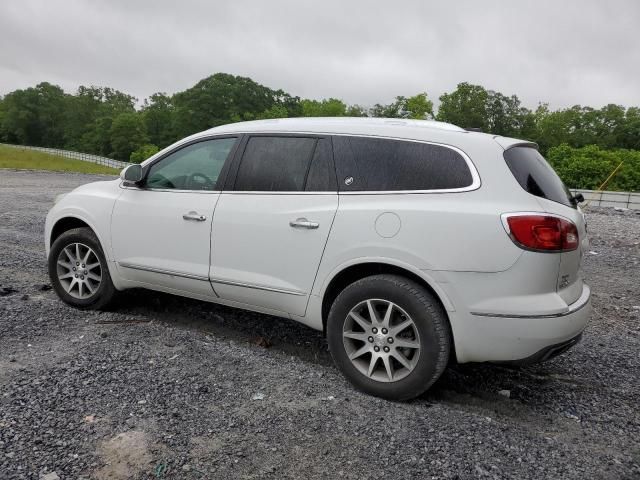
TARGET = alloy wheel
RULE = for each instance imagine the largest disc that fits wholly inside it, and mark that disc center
(79, 270)
(381, 340)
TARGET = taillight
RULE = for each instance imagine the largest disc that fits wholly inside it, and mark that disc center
(542, 232)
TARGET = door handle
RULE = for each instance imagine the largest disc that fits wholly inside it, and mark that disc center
(195, 216)
(303, 223)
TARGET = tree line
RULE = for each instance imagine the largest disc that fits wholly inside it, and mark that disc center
(582, 143)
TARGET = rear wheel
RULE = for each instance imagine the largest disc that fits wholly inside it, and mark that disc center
(389, 336)
(78, 270)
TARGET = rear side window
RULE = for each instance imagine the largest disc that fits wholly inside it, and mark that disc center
(322, 174)
(536, 176)
(376, 164)
(275, 164)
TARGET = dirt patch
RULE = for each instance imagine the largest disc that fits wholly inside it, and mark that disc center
(126, 456)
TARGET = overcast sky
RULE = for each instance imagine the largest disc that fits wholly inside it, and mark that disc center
(560, 52)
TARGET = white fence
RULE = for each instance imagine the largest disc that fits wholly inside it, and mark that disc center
(630, 200)
(87, 157)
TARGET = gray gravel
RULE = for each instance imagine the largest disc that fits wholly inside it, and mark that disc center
(166, 387)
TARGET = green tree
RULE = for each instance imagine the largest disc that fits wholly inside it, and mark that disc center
(158, 116)
(466, 107)
(331, 107)
(417, 107)
(220, 99)
(127, 134)
(34, 116)
(143, 152)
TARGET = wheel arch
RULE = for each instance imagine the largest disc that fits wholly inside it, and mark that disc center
(355, 271)
(70, 221)
(67, 223)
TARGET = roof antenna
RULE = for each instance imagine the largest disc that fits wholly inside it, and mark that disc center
(473, 129)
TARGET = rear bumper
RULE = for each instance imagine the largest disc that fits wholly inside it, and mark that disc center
(519, 339)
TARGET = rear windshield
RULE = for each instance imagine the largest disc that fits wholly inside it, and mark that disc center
(536, 176)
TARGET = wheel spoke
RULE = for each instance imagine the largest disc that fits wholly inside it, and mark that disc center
(77, 252)
(395, 330)
(361, 321)
(89, 287)
(355, 335)
(373, 363)
(358, 353)
(85, 259)
(80, 288)
(402, 359)
(372, 312)
(71, 284)
(387, 315)
(69, 255)
(94, 277)
(386, 360)
(66, 265)
(91, 266)
(66, 275)
(406, 343)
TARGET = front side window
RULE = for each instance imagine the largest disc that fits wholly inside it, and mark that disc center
(194, 167)
(379, 164)
(275, 164)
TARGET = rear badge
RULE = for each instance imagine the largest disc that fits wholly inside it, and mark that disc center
(348, 180)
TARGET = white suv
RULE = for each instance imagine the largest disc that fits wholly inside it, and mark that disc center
(410, 243)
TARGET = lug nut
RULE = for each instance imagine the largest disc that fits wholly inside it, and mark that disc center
(374, 330)
(390, 340)
(77, 263)
(76, 275)
(376, 348)
(82, 265)
(74, 269)
(384, 330)
(81, 277)
(386, 349)
(370, 339)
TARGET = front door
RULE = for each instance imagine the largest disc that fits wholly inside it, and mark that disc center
(161, 232)
(271, 226)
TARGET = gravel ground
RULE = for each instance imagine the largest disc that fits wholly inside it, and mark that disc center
(166, 387)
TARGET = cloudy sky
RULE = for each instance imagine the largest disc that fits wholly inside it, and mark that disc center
(560, 52)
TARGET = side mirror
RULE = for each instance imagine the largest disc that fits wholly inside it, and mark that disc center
(131, 174)
(578, 197)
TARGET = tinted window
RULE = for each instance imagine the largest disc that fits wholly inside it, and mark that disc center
(322, 175)
(194, 167)
(536, 176)
(275, 164)
(376, 164)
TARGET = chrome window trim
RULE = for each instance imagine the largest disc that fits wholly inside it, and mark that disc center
(162, 271)
(476, 181)
(168, 190)
(475, 176)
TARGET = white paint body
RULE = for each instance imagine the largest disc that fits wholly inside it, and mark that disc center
(503, 302)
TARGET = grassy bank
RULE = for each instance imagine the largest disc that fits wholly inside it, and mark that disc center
(32, 160)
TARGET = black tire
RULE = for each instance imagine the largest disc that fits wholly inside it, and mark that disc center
(430, 321)
(105, 292)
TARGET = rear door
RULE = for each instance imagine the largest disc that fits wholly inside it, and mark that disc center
(272, 221)
(537, 177)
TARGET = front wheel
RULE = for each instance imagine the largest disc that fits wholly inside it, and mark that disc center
(389, 336)
(78, 270)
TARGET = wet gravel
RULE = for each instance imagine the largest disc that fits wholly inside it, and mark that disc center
(166, 387)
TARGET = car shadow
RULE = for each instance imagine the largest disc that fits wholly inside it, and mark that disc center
(482, 384)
